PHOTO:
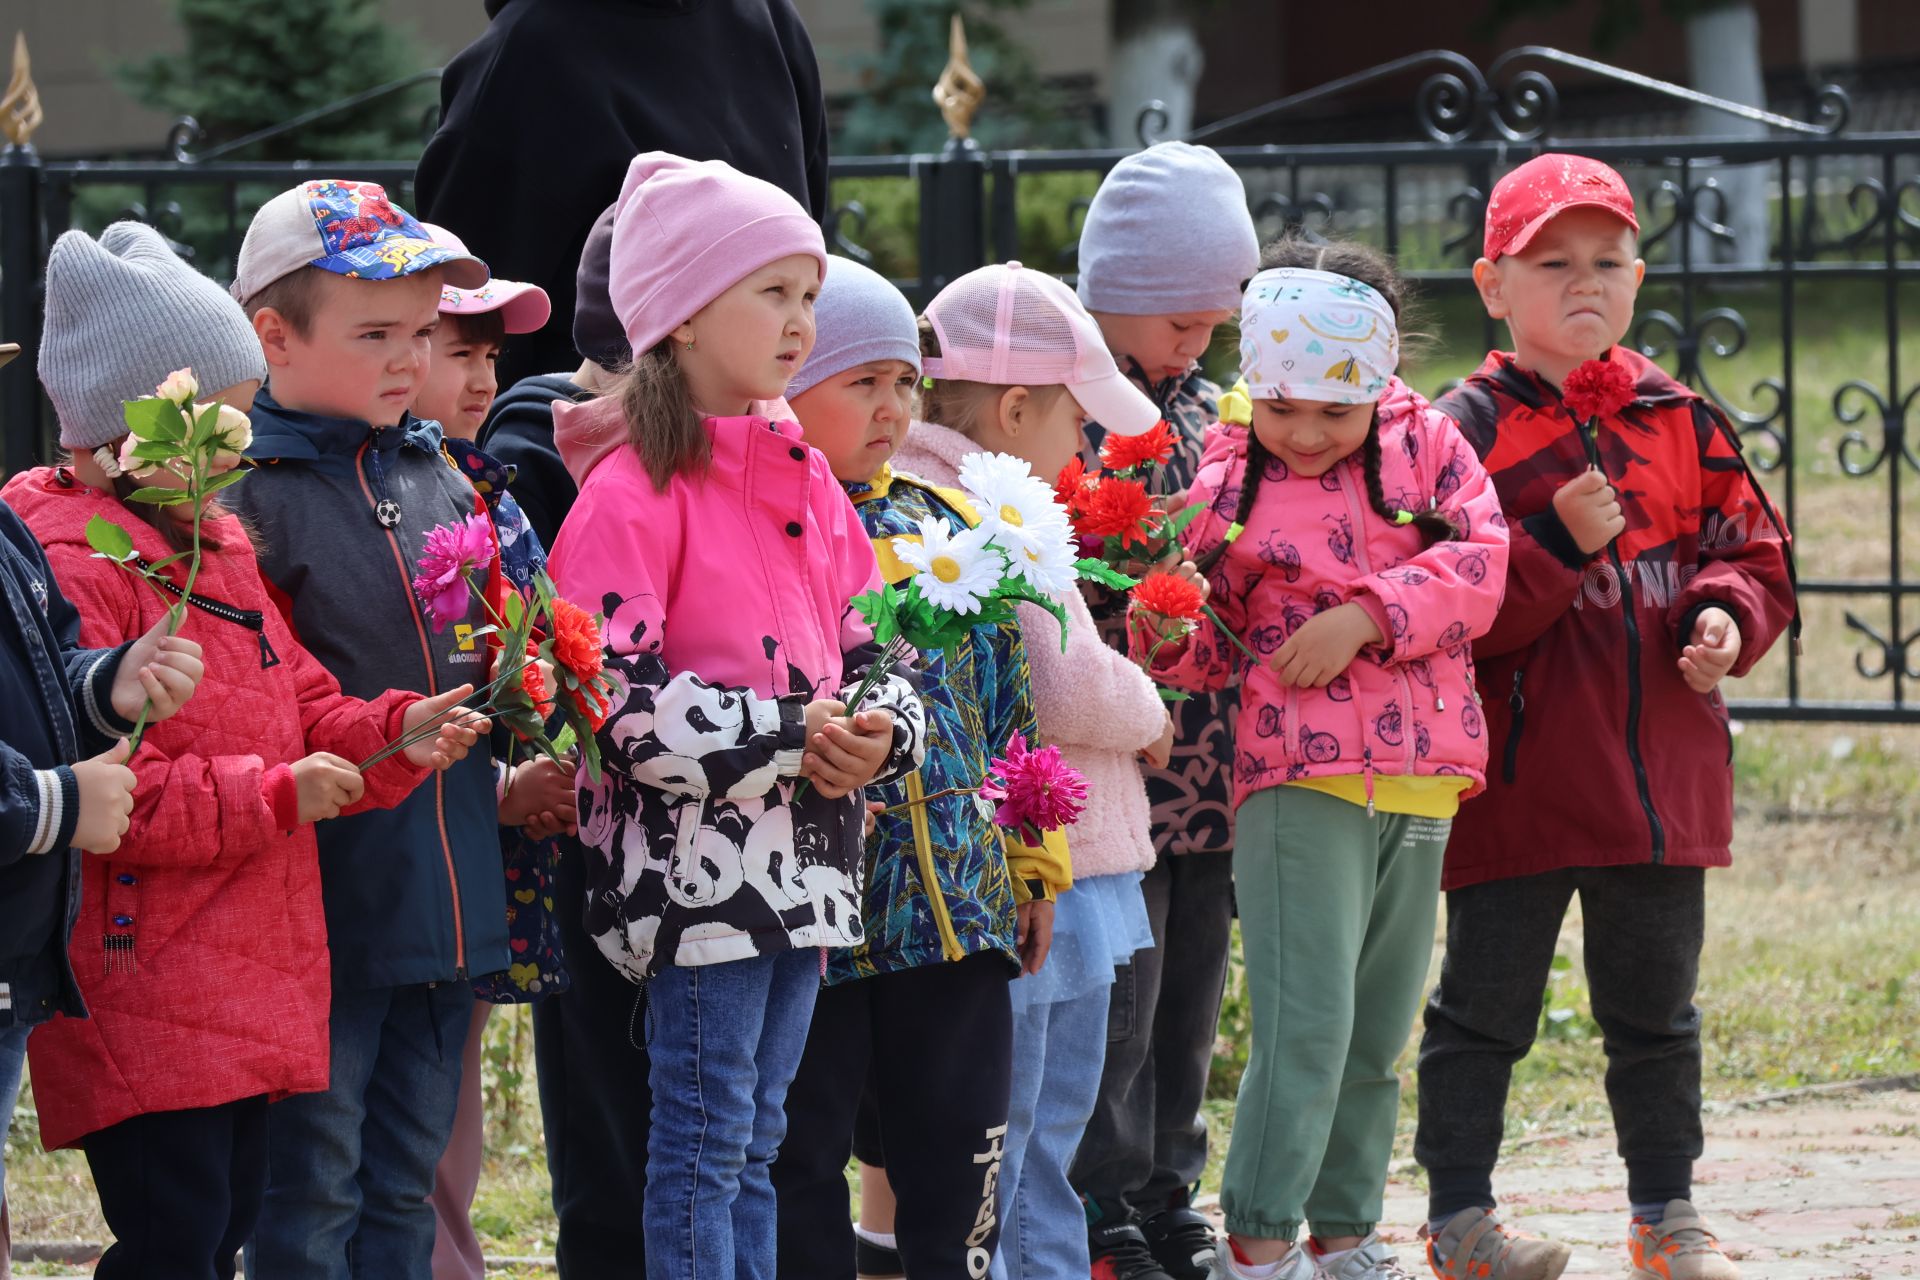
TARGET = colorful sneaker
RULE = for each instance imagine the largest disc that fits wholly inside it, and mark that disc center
(1182, 1241)
(1476, 1245)
(1118, 1251)
(1297, 1265)
(1371, 1259)
(875, 1261)
(1678, 1247)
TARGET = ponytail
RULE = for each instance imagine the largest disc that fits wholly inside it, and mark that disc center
(662, 422)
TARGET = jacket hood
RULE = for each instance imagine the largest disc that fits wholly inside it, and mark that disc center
(586, 433)
(1652, 385)
(57, 506)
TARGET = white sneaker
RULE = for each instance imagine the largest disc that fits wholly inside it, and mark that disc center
(1297, 1265)
(1371, 1259)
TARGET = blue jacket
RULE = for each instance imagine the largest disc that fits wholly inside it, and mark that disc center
(413, 894)
(57, 711)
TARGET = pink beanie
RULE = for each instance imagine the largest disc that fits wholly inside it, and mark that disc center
(685, 232)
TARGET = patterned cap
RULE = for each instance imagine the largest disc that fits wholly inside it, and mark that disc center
(1545, 187)
(348, 228)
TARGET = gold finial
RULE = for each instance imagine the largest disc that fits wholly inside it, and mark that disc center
(20, 105)
(959, 91)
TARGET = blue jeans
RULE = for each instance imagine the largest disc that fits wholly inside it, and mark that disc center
(727, 1040)
(1059, 1051)
(349, 1170)
(13, 1064)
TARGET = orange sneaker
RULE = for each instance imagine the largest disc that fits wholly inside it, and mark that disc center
(1476, 1245)
(1678, 1247)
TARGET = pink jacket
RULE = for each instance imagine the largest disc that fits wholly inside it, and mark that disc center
(1310, 545)
(726, 603)
(1099, 708)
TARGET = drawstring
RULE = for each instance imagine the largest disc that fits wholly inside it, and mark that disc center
(1367, 773)
(385, 509)
(642, 1015)
(251, 619)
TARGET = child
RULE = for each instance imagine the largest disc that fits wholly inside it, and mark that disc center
(594, 1102)
(1634, 588)
(344, 291)
(1092, 702)
(458, 393)
(727, 828)
(202, 953)
(919, 1012)
(1168, 246)
(1352, 541)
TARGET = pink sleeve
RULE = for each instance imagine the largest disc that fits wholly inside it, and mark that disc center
(1088, 696)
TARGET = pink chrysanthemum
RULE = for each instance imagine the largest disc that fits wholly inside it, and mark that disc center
(1036, 791)
(452, 552)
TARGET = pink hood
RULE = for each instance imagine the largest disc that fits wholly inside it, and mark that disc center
(1311, 544)
(586, 433)
(1093, 703)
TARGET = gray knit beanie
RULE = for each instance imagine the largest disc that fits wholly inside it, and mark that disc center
(123, 312)
(858, 318)
(1168, 232)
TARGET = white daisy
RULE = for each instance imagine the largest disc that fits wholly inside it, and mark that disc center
(956, 569)
(1015, 506)
(1048, 562)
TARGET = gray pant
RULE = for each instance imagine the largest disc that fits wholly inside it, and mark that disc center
(1147, 1142)
(1644, 926)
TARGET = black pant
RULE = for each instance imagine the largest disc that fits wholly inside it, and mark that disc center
(181, 1190)
(594, 1098)
(1147, 1142)
(936, 1043)
(1644, 925)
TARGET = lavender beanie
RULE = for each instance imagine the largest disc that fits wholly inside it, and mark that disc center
(860, 317)
(1168, 232)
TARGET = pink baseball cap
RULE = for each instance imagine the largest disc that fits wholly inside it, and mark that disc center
(1008, 326)
(523, 307)
(1543, 188)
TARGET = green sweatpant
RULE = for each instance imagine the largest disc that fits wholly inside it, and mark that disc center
(1336, 921)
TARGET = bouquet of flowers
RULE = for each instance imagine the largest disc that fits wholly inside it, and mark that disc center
(1033, 791)
(1116, 518)
(193, 449)
(551, 660)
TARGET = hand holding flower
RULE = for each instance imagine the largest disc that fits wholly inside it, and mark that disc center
(540, 798)
(848, 751)
(1590, 509)
(460, 728)
(160, 669)
(326, 784)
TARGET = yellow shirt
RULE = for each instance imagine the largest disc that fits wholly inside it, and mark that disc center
(1424, 797)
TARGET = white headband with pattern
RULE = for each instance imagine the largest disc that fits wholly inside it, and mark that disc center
(1314, 335)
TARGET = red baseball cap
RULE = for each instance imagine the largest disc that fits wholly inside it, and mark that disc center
(1545, 187)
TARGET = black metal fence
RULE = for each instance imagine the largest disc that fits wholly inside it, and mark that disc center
(1802, 339)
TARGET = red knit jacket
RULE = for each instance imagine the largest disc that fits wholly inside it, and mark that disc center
(201, 947)
(1600, 753)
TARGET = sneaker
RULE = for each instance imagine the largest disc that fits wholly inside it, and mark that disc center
(1118, 1251)
(875, 1261)
(1182, 1241)
(1371, 1259)
(1297, 1265)
(1475, 1243)
(1678, 1247)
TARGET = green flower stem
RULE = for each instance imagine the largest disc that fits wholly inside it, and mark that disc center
(177, 609)
(929, 799)
(484, 706)
(1238, 643)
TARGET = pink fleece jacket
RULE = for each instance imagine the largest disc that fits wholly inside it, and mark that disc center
(1091, 702)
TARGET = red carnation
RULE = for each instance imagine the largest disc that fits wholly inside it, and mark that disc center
(1598, 389)
(1170, 596)
(592, 704)
(1115, 508)
(576, 640)
(535, 684)
(1070, 487)
(1152, 447)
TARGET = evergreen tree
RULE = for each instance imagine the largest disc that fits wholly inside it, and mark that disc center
(251, 64)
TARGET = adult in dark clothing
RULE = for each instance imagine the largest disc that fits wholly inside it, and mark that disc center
(574, 89)
(594, 1098)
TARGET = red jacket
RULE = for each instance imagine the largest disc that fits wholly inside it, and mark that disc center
(1600, 753)
(201, 948)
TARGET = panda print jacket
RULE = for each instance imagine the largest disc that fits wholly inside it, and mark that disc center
(1407, 707)
(726, 597)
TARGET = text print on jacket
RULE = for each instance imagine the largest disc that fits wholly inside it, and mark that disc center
(726, 598)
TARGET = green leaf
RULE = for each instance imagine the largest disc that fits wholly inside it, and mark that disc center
(515, 610)
(155, 451)
(205, 423)
(175, 558)
(160, 496)
(222, 480)
(1176, 524)
(590, 756)
(153, 419)
(1105, 574)
(1172, 695)
(109, 539)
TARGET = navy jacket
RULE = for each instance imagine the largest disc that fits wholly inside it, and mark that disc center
(519, 432)
(54, 710)
(415, 893)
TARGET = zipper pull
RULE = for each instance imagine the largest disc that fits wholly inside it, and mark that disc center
(268, 658)
(1514, 700)
(1367, 773)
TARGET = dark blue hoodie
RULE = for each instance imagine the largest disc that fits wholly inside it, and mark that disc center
(413, 894)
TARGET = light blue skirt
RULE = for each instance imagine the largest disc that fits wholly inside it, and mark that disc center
(1097, 924)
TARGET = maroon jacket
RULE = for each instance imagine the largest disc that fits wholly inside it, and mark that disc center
(1600, 753)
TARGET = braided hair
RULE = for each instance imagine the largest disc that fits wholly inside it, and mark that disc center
(1371, 267)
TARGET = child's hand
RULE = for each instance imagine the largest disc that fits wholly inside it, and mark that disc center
(327, 784)
(1170, 628)
(874, 809)
(1324, 646)
(160, 667)
(1034, 934)
(819, 711)
(460, 728)
(1590, 509)
(106, 799)
(1160, 750)
(540, 799)
(847, 753)
(1715, 648)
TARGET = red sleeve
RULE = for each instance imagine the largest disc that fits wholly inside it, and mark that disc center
(1541, 584)
(347, 727)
